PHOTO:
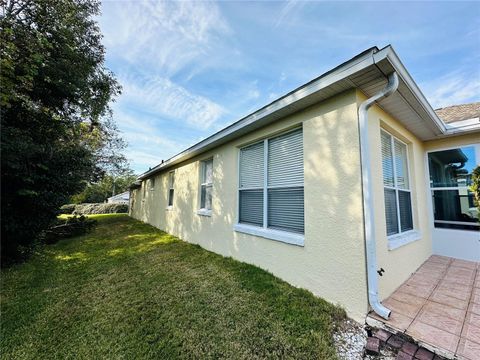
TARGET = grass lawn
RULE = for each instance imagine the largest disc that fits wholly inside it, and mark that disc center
(130, 291)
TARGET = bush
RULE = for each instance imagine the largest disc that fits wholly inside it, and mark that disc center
(72, 226)
(67, 209)
(100, 208)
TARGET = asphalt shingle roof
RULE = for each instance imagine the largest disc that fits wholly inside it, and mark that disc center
(461, 112)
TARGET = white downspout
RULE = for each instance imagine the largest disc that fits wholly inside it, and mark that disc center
(368, 204)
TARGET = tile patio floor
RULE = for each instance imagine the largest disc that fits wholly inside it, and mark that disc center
(439, 306)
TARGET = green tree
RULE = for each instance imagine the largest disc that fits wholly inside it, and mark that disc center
(475, 188)
(109, 185)
(56, 122)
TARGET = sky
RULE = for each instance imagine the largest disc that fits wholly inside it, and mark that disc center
(189, 69)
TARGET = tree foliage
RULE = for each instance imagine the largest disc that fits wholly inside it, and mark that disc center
(99, 191)
(475, 188)
(56, 122)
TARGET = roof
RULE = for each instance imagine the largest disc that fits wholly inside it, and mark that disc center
(368, 72)
(124, 195)
(461, 112)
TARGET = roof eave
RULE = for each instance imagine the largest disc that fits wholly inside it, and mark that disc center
(344, 70)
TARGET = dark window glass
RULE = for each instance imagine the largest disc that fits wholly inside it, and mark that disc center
(285, 209)
(391, 211)
(452, 168)
(251, 207)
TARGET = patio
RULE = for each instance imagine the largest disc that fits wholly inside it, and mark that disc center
(439, 307)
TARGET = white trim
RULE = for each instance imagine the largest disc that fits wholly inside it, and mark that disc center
(350, 67)
(278, 235)
(171, 186)
(265, 183)
(204, 212)
(206, 184)
(263, 116)
(476, 146)
(398, 189)
(457, 223)
(266, 187)
(398, 240)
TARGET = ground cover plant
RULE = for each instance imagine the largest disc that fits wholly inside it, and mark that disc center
(127, 290)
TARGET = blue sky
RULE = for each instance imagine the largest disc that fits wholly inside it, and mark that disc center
(190, 68)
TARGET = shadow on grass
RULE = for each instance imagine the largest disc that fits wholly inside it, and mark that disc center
(128, 290)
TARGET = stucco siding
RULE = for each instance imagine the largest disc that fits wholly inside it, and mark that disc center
(331, 263)
(401, 262)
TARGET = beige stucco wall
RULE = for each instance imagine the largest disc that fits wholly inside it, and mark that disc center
(401, 262)
(452, 141)
(331, 263)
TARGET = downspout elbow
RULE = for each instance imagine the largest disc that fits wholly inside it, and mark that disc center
(368, 204)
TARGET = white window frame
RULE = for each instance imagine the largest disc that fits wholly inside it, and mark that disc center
(263, 231)
(476, 146)
(170, 186)
(402, 237)
(202, 210)
(152, 183)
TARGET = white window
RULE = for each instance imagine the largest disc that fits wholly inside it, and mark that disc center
(171, 184)
(206, 185)
(271, 183)
(144, 189)
(398, 198)
(152, 183)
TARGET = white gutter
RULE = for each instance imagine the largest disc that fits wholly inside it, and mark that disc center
(368, 204)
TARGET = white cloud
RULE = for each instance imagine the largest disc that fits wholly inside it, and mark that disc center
(457, 87)
(167, 35)
(162, 97)
(289, 10)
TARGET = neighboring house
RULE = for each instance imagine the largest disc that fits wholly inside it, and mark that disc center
(123, 198)
(323, 192)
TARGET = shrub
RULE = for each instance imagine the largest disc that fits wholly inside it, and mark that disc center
(475, 188)
(100, 208)
(67, 209)
(72, 226)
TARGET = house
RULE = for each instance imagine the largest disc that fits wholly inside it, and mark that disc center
(344, 186)
(123, 198)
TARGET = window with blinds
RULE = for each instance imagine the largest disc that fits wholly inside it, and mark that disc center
(271, 191)
(398, 203)
(171, 190)
(206, 184)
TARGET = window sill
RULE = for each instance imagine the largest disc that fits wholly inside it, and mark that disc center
(169, 208)
(277, 235)
(398, 240)
(204, 212)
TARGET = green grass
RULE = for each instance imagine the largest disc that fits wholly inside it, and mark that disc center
(128, 290)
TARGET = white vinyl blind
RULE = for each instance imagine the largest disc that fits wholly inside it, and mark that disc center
(398, 202)
(387, 159)
(252, 166)
(271, 183)
(285, 160)
(401, 166)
